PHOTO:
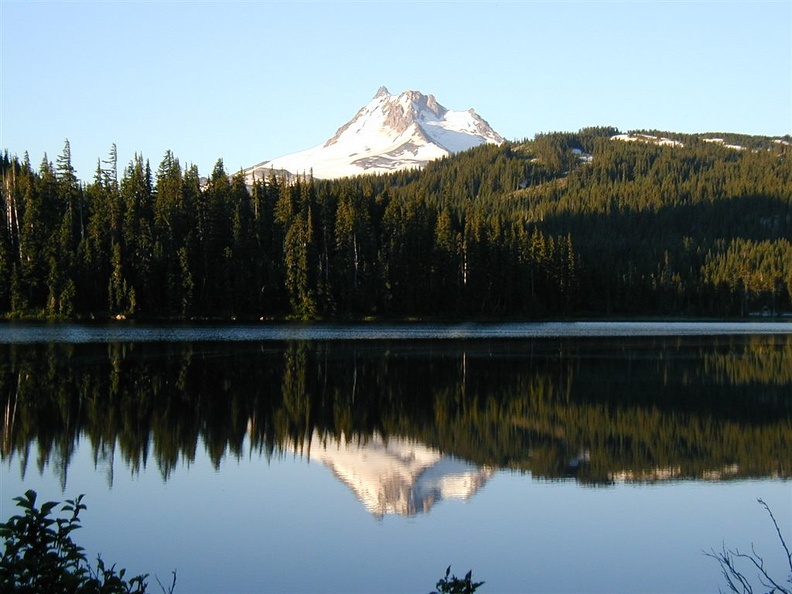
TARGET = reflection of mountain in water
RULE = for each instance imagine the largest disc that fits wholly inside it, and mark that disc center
(398, 476)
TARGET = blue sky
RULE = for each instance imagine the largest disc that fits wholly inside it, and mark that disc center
(251, 81)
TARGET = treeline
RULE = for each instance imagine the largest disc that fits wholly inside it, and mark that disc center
(564, 224)
(545, 406)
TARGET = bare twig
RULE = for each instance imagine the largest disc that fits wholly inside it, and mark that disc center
(172, 586)
(780, 537)
(736, 579)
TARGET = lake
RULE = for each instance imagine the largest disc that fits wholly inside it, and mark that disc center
(547, 457)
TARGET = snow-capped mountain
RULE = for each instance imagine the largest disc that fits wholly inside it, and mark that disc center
(390, 133)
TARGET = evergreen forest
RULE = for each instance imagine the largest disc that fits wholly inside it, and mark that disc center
(562, 225)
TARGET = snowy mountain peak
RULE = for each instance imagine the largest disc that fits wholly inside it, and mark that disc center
(389, 133)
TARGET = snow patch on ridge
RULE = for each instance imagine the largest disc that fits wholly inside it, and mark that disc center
(722, 142)
(648, 138)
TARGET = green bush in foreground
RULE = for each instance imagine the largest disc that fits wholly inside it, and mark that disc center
(40, 556)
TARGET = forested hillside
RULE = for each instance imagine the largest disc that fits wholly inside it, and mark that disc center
(564, 224)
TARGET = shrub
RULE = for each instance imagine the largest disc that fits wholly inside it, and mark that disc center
(40, 556)
(454, 585)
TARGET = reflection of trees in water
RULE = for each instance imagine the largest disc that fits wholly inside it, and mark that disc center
(764, 361)
(596, 410)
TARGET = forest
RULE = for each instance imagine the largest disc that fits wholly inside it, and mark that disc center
(561, 225)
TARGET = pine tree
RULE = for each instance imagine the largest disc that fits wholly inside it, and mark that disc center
(302, 296)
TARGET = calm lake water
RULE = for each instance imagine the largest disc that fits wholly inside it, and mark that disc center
(548, 457)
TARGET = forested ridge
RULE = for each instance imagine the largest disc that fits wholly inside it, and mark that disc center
(564, 224)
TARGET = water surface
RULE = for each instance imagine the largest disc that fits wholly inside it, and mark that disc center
(140, 332)
(587, 457)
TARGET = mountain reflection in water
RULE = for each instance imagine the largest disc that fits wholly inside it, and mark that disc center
(596, 410)
(396, 476)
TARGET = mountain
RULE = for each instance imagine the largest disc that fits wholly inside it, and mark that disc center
(390, 133)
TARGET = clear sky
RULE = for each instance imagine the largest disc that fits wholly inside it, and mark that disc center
(249, 81)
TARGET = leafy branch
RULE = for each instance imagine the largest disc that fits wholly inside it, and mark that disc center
(455, 585)
(40, 556)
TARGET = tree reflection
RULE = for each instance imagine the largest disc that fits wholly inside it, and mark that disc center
(596, 410)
